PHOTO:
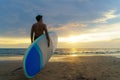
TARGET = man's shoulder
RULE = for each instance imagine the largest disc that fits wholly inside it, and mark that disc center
(44, 24)
(34, 24)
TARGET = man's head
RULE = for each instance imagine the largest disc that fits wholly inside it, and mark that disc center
(38, 18)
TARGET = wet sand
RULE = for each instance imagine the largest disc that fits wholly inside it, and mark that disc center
(66, 67)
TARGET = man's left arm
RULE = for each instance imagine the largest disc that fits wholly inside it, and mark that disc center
(47, 35)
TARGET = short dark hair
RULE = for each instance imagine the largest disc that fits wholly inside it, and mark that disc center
(39, 17)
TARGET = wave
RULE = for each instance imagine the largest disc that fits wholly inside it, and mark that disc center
(62, 51)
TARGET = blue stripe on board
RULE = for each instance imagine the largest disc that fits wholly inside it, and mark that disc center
(41, 56)
(33, 62)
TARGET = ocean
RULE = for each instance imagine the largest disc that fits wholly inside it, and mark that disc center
(62, 51)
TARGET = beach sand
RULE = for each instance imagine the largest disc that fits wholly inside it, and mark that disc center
(66, 67)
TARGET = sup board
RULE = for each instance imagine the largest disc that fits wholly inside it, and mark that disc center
(38, 54)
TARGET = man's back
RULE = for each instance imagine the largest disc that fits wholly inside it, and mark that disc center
(38, 29)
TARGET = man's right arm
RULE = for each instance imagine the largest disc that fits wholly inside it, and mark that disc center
(32, 31)
(47, 35)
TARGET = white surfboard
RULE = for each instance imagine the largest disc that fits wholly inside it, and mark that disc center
(38, 54)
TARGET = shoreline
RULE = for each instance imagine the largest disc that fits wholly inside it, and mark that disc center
(66, 67)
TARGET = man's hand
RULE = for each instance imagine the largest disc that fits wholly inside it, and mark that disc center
(48, 43)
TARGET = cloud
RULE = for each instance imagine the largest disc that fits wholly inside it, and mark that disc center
(110, 31)
(100, 33)
(116, 39)
(66, 17)
(108, 28)
(100, 44)
(9, 40)
(73, 25)
(68, 29)
(106, 16)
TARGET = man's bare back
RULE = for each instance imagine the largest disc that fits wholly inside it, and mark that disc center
(38, 29)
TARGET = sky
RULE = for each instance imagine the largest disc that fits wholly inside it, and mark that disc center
(78, 23)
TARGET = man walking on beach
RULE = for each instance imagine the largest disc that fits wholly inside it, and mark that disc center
(38, 29)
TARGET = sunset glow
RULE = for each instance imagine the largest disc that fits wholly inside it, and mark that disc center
(14, 41)
(77, 23)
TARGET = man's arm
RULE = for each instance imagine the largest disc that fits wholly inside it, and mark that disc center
(47, 35)
(32, 31)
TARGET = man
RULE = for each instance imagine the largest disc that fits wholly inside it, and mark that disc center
(38, 29)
